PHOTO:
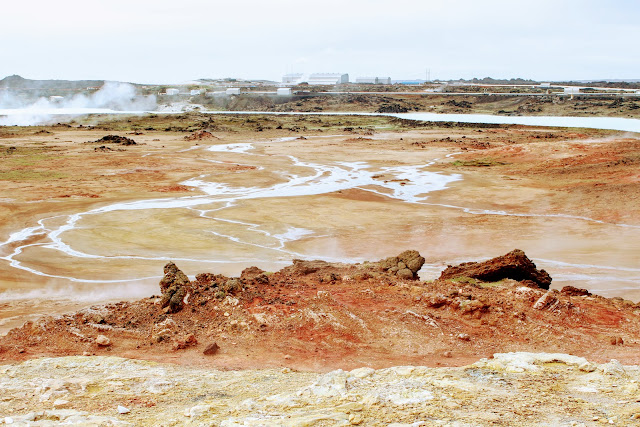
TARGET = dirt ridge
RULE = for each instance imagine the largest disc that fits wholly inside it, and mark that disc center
(318, 316)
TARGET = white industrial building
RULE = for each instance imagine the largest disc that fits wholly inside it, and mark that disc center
(233, 91)
(293, 79)
(283, 91)
(195, 92)
(316, 79)
(374, 80)
(570, 90)
(172, 91)
(328, 79)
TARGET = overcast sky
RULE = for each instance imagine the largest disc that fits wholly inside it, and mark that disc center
(161, 41)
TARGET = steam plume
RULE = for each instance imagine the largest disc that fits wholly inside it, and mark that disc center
(111, 97)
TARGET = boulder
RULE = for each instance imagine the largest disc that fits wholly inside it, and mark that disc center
(211, 349)
(250, 273)
(514, 265)
(103, 341)
(184, 341)
(254, 274)
(572, 291)
(302, 267)
(115, 139)
(173, 276)
(405, 266)
(174, 286)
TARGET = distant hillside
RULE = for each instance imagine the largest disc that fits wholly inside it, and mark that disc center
(625, 84)
(20, 83)
(491, 81)
(622, 84)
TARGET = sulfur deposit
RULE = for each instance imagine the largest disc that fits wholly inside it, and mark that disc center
(508, 389)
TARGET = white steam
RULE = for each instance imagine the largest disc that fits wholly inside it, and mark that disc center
(112, 97)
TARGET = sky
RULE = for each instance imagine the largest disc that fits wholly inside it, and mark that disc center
(160, 41)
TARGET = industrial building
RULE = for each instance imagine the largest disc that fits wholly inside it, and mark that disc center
(283, 91)
(316, 79)
(374, 80)
(328, 79)
(172, 91)
(293, 79)
(233, 91)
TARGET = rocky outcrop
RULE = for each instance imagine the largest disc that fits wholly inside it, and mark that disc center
(303, 268)
(405, 266)
(200, 135)
(317, 315)
(115, 139)
(392, 108)
(514, 265)
(254, 274)
(572, 291)
(174, 286)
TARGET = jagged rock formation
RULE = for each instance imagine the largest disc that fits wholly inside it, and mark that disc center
(254, 273)
(405, 266)
(174, 286)
(515, 265)
(319, 315)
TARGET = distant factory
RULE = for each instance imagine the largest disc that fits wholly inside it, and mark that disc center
(293, 79)
(330, 79)
(316, 79)
(374, 80)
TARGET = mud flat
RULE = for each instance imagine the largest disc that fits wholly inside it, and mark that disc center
(243, 204)
(85, 222)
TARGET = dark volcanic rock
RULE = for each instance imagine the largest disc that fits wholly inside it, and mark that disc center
(514, 265)
(303, 268)
(115, 139)
(174, 286)
(392, 108)
(572, 291)
(211, 349)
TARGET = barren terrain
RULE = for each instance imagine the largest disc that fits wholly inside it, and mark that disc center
(89, 220)
(510, 389)
(582, 106)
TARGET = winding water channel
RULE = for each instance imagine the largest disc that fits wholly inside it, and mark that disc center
(108, 244)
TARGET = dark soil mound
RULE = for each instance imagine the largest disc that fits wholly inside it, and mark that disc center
(115, 139)
(200, 135)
